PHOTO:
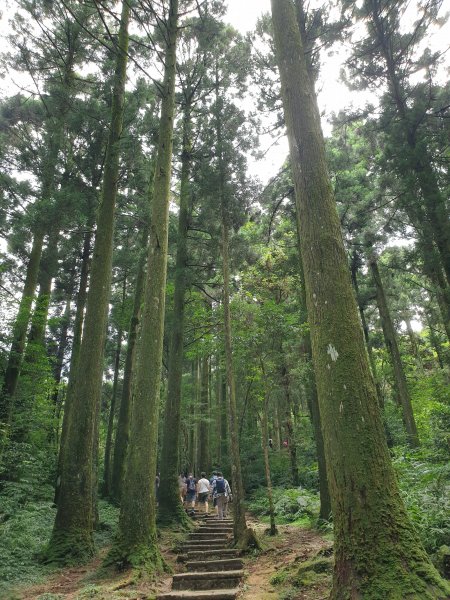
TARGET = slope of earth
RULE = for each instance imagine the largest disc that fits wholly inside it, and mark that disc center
(294, 565)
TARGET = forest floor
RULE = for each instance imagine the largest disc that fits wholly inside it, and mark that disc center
(270, 575)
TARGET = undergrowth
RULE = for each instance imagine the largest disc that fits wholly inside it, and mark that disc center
(293, 505)
(26, 520)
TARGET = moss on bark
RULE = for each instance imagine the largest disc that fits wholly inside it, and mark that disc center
(377, 552)
(76, 512)
(136, 543)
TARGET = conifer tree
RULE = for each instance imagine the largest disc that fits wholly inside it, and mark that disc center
(72, 536)
(370, 520)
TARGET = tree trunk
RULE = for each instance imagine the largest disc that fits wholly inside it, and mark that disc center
(370, 520)
(289, 426)
(59, 362)
(170, 508)
(203, 438)
(390, 338)
(243, 536)
(137, 540)
(373, 366)
(265, 449)
(311, 395)
(107, 474)
(76, 343)
(124, 417)
(72, 537)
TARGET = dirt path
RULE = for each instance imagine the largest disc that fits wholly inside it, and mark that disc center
(282, 556)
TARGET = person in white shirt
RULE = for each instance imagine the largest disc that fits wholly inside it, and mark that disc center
(203, 491)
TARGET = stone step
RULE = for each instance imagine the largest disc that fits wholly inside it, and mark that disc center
(208, 580)
(203, 546)
(213, 542)
(223, 564)
(228, 594)
(212, 554)
(215, 529)
(208, 536)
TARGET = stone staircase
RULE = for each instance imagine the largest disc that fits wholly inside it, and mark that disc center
(213, 570)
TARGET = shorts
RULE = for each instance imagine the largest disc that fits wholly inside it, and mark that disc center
(190, 496)
(203, 497)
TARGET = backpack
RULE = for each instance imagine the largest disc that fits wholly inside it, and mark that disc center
(220, 486)
(191, 485)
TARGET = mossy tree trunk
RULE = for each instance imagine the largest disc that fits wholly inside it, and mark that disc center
(377, 551)
(390, 339)
(136, 543)
(311, 394)
(76, 343)
(265, 448)
(170, 507)
(124, 417)
(289, 425)
(203, 432)
(72, 536)
(373, 366)
(240, 524)
(243, 536)
(107, 472)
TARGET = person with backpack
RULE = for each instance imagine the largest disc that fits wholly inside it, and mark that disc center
(211, 483)
(203, 489)
(191, 490)
(221, 491)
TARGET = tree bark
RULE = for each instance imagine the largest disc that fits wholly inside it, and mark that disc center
(203, 438)
(107, 473)
(370, 520)
(76, 343)
(124, 417)
(136, 544)
(170, 508)
(265, 449)
(72, 536)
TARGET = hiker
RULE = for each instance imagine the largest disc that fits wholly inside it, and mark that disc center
(214, 499)
(191, 490)
(157, 481)
(203, 490)
(271, 443)
(182, 487)
(222, 492)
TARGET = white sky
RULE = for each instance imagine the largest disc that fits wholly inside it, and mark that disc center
(333, 95)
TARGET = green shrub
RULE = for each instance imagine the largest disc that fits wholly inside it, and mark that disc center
(425, 488)
(290, 504)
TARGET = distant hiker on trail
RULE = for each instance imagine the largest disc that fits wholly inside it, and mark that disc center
(182, 487)
(271, 443)
(211, 481)
(221, 491)
(191, 490)
(157, 481)
(203, 490)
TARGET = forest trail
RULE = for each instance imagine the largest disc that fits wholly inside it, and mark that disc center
(213, 570)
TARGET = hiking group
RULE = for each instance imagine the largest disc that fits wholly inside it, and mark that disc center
(200, 491)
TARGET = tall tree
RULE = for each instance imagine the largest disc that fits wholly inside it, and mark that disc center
(370, 521)
(72, 538)
(136, 543)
